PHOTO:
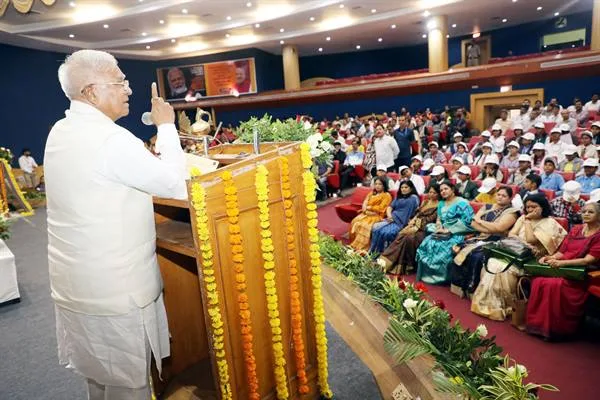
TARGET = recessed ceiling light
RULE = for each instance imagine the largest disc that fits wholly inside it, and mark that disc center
(476, 35)
(71, 36)
(426, 13)
(514, 1)
(147, 47)
(380, 40)
(106, 26)
(72, 4)
(393, 26)
(328, 38)
(556, 14)
(227, 35)
(312, 18)
(373, 10)
(572, 45)
(341, 6)
(424, 36)
(161, 21)
(257, 25)
(173, 40)
(248, 4)
(358, 47)
(281, 41)
(184, 10)
(504, 20)
(144, 34)
(539, 8)
(282, 30)
(320, 49)
(141, 1)
(447, 36)
(228, 18)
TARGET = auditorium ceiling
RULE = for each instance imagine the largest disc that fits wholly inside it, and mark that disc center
(163, 29)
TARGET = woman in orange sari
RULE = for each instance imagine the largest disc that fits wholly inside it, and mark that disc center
(373, 210)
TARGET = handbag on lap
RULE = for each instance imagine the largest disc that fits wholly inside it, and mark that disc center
(512, 250)
(573, 273)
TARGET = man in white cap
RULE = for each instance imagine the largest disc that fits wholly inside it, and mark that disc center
(435, 154)
(504, 122)
(550, 179)
(483, 138)
(407, 174)
(386, 149)
(458, 137)
(572, 162)
(465, 186)
(586, 148)
(579, 113)
(382, 173)
(554, 146)
(595, 128)
(511, 160)
(518, 177)
(438, 174)
(487, 191)
(589, 180)
(569, 205)
(527, 143)
(427, 166)
(416, 163)
(540, 133)
(497, 138)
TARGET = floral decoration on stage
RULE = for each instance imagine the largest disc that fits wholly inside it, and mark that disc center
(237, 252)
(6, 171)
(296, 304)
(212, 294)
(266, 240)
(6, 154)
(310, 187)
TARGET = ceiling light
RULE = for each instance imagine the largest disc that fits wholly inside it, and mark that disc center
(147, 47)
(72, 4)
(281, 41)
(282, 30)
(257, 25)
(504, 20)
(173, 40)
(572, 45)
(341, 6)
(161, 21)
(320, 49)
(227, 35)
(248, 4)
(312, 18)
(393, 26)
(426, 13)
(431, 24)
(556, 14)
(373, 10)
(328, 38)
(424, 36)
(144, 34)
(380, 40)
(184, 10)
(228, 18)
(454, 25)
(476, 35)
(358, 47)
(71, 36)
(539, 8)
(447, 36)
(141, 1)
(106, 26)
(92, 12)
(514, 1)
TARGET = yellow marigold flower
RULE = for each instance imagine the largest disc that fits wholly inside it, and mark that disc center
(226, 175)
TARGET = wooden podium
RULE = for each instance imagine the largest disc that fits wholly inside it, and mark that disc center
(193, 360)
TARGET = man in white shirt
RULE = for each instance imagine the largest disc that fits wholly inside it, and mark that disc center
(407, 174)
(104, 275)
(497, 139)
(554, 146)
(386, 149)
(592, 105)
(28, 165)
(522, 118)
(565, 118)
(504, 122)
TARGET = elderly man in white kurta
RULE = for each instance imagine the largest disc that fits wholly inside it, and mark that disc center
(104, 276)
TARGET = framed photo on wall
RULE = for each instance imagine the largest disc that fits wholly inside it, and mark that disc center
(192, 82)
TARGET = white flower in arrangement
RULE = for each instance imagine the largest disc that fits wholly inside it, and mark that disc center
(521, 368)
(315, 152)
(410, 303)
(326, 146)
(349, 252)
(314, 140)
(381, 263)
(481, 331)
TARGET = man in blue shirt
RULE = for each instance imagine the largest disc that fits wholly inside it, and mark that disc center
(404, 136)
(550, 179)
(589, 180)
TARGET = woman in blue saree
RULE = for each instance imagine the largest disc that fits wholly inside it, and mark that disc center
(434, 255)
(398, 214)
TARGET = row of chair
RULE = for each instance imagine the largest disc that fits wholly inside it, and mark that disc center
(372, 77)
(496, 60)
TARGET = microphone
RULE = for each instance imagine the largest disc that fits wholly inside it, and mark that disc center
(147, 118)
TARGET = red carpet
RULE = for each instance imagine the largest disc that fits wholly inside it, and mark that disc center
(571, 366)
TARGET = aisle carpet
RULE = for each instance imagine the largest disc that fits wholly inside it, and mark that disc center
(28, 363)
(571, 366)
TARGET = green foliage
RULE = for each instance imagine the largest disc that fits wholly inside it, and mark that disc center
(4, 227)
(6, 154)
(273, 131)
(34, 195)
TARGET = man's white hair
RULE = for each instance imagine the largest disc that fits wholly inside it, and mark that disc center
(82, 68)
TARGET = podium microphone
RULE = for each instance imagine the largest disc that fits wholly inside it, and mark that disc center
(147, 118)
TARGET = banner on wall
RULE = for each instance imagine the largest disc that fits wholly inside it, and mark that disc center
(193, 82)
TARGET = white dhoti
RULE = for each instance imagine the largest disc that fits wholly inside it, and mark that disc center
(113, 352)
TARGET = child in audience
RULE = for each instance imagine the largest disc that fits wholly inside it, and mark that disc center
(589, 180)
(511, 161)
(491, 169)
(550, 179)
(527, 143)
(587, 149)
(518, 177)
(572, 162)
(539, 153)
(487, 191)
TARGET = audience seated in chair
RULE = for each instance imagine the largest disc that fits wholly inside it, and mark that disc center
(373, 210)
(569, 205)
(589, 180)
(550, 179)
(467, 189)
(487, 191)
(407, 174)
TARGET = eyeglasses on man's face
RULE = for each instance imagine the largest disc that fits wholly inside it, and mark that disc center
(124, 84)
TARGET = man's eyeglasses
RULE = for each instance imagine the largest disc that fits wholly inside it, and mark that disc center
(124, 84)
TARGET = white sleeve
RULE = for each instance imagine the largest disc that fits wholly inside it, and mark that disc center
(127, 161)
(395, 148)
(22, 164)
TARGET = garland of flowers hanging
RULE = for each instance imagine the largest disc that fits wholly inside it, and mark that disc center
(310, 186)
(214, 311)
(237, 250)
(296, 309)
(3, 194)
(28, 209)
(262, 191)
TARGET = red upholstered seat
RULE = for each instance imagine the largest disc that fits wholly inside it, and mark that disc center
(348, 211)
(550, 194)
(509, 135)
(563, 222)
(448, 168)
(585, 196)
(505, 174)
(333, 179)
(474, 171)
(549, 125)
(473, 141)
(567, 176)
(515, 189)
(476, 205)
(426, 180)
(394, 175)
(394, 193)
